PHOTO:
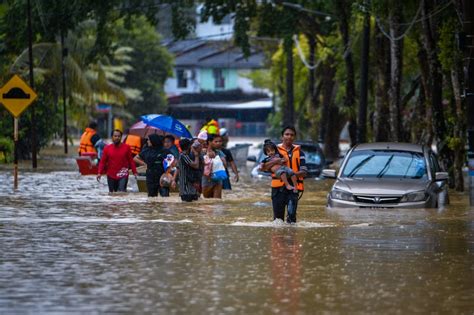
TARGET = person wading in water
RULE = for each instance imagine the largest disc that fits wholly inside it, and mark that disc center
(116, 160)
(293, 158)
(153, 156)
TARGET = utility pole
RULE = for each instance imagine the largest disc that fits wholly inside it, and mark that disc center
(468, 28)
(63, 72)
(34, 141)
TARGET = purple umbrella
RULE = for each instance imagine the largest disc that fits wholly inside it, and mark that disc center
(143, 130)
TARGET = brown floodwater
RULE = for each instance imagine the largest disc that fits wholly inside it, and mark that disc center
(67, 246)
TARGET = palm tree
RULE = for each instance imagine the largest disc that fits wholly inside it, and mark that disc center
(88, 83)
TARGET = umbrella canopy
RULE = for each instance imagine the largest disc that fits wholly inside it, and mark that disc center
(167, 124)
(143, 130)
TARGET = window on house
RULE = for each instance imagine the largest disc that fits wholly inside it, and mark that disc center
(182, 76)
(219, 79)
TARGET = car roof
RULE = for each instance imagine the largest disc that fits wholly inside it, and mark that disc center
(395, 146)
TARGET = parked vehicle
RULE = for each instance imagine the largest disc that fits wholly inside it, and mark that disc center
(315, 160)
(240, 153)
(388, 175)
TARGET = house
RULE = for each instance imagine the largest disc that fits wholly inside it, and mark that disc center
(211, 80)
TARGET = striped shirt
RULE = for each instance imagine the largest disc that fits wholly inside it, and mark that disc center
(186, 175)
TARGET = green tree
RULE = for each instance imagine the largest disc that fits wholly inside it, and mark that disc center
(151, 64)
(88, 83)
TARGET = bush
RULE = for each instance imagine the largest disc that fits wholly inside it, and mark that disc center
(6, 149)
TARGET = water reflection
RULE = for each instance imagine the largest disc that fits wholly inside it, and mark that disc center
(66, 245)
(286, 269)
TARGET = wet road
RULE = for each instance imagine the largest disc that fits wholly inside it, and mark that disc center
(67, 246)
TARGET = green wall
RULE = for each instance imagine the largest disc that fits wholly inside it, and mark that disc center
(208, 84)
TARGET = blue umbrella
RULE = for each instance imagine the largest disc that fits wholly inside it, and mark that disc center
(167, 124)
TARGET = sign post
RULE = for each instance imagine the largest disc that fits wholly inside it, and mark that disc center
(15, 153)
(16, 96)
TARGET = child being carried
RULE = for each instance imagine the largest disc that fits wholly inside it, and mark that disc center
(281, 171)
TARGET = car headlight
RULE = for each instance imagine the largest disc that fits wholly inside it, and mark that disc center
(415, 196)
(342, 195)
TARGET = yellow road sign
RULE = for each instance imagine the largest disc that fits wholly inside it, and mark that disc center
(16, 95)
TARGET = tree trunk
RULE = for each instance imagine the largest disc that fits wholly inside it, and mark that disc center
(408, 123)
(364, 82)
(289, 112)
(419, 115)
(459, 131)
(349, 100)
(313, 91)
(327, 90)
(425, 124)
(396, 52)
(436, 85)
(331, 141)
(382, 82)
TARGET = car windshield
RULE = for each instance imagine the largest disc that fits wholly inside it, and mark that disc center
(382, 164)
(312, 157)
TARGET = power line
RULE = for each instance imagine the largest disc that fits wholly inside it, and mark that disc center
(301, 8)
(302, 57)
(410, 25)
(347, 50)
(431, 14)
(406, 31)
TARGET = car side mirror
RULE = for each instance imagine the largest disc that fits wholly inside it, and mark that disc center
(328, 173)
(440, 176)
(252, 158)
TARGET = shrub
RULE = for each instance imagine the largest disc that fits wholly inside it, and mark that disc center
(6, 149)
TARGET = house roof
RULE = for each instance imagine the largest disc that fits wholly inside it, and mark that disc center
(213, 54)
(265, 103)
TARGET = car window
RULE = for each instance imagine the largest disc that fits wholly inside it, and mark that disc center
(313, 158)
(385, 164)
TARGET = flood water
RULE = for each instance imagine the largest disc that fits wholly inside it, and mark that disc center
(67, 246)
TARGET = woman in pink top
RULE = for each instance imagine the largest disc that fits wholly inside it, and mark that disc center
(116, 161)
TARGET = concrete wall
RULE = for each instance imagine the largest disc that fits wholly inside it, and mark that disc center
(171, 84)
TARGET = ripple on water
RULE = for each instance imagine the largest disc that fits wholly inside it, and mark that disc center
(68, 246)
(28, 220)
(281, 224)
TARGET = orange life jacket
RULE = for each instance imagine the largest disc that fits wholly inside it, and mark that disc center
(135, 143)
(86, 144)
(176, 143)
(293, 162)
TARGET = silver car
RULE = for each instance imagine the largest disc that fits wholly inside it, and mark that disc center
(388, 175)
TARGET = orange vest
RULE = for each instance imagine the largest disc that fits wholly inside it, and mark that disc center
(176, 143)
(135, 143)
(86, 144)
(293, 162)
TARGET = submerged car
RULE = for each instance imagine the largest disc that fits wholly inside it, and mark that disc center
(388, 175)
(315, 160)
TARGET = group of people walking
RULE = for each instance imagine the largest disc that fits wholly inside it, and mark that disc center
(200, 166)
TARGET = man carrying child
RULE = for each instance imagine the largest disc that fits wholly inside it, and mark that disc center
(294, 158)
